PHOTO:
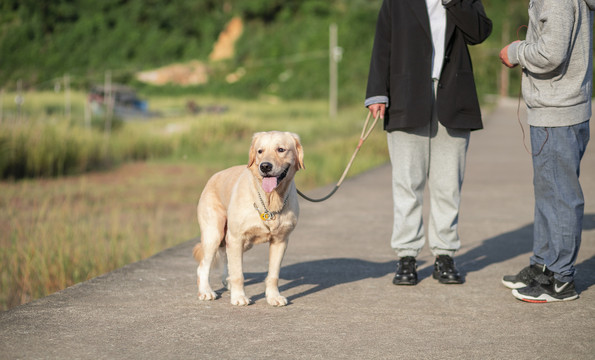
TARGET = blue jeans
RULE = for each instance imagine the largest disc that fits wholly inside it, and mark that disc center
(559, 201)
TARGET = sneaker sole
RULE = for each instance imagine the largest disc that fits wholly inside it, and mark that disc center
(543, 298)
(513, 285)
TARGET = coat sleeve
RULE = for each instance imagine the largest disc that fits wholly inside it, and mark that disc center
(469, 17)
(378, 77)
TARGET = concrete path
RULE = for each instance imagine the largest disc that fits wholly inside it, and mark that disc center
(337, 275)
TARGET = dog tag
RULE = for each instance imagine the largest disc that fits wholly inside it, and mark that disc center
(265, 216)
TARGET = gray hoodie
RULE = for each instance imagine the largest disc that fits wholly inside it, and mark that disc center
(557, 62)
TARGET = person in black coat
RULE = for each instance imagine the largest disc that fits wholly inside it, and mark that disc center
(421, 84)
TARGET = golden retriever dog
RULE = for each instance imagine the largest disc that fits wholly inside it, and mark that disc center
(247, 205)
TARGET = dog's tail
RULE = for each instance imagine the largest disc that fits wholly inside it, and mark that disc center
(197, 252)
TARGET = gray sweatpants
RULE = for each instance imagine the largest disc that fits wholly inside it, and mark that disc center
(434, 155)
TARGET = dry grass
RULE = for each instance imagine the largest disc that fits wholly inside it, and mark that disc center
(60, 232)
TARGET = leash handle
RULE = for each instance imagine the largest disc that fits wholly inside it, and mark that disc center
(365, 133)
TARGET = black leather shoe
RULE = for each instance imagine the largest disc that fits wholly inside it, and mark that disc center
(406, 273)
(445, 270)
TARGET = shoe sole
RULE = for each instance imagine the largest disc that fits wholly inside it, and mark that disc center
(543, 298)
(404, 282)
(446, 281)
(513, 285)
(450, 282)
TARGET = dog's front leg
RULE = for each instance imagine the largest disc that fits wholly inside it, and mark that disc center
(235, 252)
(276, 253)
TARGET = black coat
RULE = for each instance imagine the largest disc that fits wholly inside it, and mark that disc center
(401, 64)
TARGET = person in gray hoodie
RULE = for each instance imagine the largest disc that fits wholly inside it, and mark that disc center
(557, 63)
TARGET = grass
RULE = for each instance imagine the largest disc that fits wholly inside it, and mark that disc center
(56, 230)
(59, 232)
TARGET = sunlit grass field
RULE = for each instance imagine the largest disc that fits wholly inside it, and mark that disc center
(92, 203)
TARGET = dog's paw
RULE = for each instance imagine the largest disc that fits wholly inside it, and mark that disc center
(277, 300)
(240, 300)
(207, 295)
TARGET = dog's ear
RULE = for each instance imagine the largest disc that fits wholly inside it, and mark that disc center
(252, 152)
(300, 152)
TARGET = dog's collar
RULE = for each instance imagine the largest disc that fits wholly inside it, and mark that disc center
(267, 215)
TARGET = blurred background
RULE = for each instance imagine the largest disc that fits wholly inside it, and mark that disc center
(113, 114)
(240, 48)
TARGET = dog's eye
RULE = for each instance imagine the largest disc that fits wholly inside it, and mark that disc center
(260, 151)
(281, 150)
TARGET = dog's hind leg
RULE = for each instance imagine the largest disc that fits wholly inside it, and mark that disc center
(210, 241)
(224, 273)
(213, 225)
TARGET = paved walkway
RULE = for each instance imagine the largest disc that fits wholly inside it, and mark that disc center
(337, 275)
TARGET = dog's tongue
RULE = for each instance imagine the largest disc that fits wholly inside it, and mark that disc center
(269, 184)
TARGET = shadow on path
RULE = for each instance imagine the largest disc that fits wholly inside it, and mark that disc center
(511, 244)
(326, 273)
(323, 274)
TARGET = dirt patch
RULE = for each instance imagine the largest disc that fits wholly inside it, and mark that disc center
(225, 45)
(196, 72)
(192, 73)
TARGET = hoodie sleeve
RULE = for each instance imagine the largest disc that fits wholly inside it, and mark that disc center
(553, 25)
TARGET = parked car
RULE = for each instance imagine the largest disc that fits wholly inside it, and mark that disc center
(127, 105)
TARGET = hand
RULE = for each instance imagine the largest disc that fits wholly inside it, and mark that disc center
(504, 57)
(377, 110)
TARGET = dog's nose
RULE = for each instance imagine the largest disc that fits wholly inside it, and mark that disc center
(266, 167)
